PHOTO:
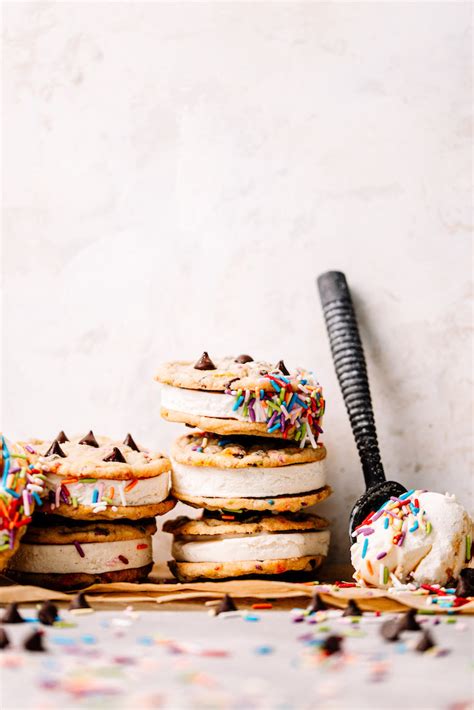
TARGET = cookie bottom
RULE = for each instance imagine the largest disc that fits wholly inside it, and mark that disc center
(130, 512)
(79, 580)
(197, 571)
(220, 426)
(279, 504)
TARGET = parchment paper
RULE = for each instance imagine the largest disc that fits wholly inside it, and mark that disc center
(248, 591)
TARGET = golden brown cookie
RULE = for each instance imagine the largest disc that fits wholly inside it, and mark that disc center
(205, 571)
(250, 398)
(55, 530)
(280, 504)
(227, 372)
(231, 427)
(93, 456)
(208, 449)
(210, 525)
(135, 512)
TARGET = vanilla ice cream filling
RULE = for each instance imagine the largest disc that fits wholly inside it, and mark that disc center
(251, 482)
(202, 404)
(111, 492)
(98, 557)
(276, 546)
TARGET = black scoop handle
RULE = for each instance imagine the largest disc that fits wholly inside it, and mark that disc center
(351, 370)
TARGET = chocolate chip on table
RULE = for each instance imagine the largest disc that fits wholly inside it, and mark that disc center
(116, 456)
(205, 363)
(12, 615)
(408, 622)
(227, 604)
(465, 585)
(242, 359)
(89, 440)
(425, 643)
(55, 450)
(390, 630)
(282, 367)
(129, 441)
(79, 602)
(352, 609)
(61, 437)
(48, 613)
(34, 642)
(317, 604)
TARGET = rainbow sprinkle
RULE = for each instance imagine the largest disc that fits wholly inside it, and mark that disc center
(294, 406)
(20, 489)
(402, 516)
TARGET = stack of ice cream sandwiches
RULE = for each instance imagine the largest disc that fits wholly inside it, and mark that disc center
(95, 517)
(253, 467)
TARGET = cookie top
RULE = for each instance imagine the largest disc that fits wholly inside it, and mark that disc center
(249, 524)
(228, 373)
(206, 449)
(97, 457)
(21, 487)
(54, 530)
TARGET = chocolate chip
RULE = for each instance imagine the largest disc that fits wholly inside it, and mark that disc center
(55, 450)
(205, 363)
(425, 643)
(129, 441)
(61, 437)
(352, 609)
(465, 585)
(101, 531)
(317, 604)
(48, 613)
(332, 644)
(12, 615)
(79, 602)
(116, 455)
(227, 604)
(282, 367)
(4, 640)
(408, 622)
(242, 359)
(89, 440)
(390, 630)
(34, 642)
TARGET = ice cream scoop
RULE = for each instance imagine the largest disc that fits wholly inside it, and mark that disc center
(349, 362)
(419, 537)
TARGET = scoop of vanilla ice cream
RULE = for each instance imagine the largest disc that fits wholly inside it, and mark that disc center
(422, 537)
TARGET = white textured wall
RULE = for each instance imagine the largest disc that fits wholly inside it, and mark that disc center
(177, 174)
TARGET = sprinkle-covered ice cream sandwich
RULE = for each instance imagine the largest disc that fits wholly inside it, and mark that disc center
(238, 395)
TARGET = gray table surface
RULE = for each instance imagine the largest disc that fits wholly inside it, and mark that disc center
(257, 659)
